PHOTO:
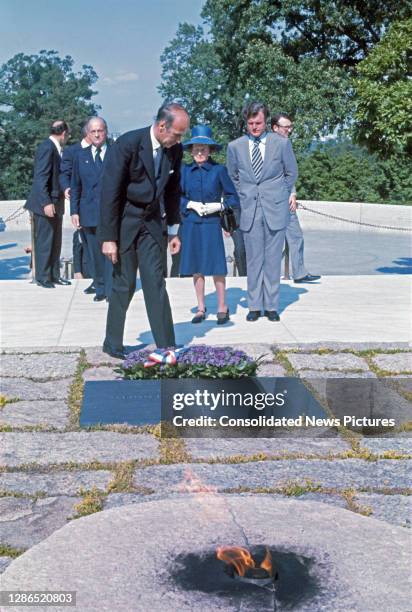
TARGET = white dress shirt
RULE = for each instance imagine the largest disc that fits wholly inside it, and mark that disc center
(57, 144)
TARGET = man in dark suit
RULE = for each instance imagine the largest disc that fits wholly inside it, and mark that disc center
(80, 259)
(140, 188)
(85, 201)
(46, 202)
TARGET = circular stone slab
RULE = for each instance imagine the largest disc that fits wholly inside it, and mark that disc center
(122, 559)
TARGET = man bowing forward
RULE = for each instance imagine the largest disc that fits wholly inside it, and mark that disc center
(140, 188)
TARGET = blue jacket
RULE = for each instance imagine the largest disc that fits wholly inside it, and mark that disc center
(66, 164)
(85, 188)
(206, 183)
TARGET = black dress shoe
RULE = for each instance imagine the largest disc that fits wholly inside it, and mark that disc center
(272, 315)
(116, 353)
(223, 317)
(90, 290)
(199, 316)
(99, 298)
(45, 284)
(253, 315)
(307, 279)
(61, 281)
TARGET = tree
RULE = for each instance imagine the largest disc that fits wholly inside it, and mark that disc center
(35, 90)
(383, 119)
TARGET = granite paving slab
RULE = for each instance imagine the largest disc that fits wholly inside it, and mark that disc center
(337, 474)
(101, 373)
(209, 448)
(5, 562)
(401, 444)
(39, 350)
(22, 414)
(308, 374)
(256, 350)
(39, 367)
(394, 509)
(339, 361)
(25, 522)
(138, 547)
(24, 389)
(54, 483)
(44, 448)
(397, 362)
(271, 369)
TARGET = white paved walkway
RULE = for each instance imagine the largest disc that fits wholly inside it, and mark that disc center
(339, 308)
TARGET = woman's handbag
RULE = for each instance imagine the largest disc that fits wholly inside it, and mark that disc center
(228, 219)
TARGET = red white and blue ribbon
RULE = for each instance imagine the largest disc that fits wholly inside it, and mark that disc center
(164, 357)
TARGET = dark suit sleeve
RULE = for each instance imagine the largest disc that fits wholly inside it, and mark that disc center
(43, 169)
(173, 190)
(66, 167)
(75, 188)
(290, 165)
(115, 177)
(228, 188)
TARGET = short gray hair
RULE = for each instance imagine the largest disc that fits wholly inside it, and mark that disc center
(167, 113)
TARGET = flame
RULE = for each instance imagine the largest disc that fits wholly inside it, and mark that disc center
(267, 562)
(242, 559)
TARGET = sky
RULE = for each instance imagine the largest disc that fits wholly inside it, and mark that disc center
(121, 39)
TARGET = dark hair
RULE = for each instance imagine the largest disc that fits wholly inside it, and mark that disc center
(253, 108)
(58, 127)
(167, 113)
(275, 119)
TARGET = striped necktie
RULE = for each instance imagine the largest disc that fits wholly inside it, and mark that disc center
(257, 160)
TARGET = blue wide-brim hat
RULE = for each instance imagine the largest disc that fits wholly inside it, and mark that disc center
(202, 134)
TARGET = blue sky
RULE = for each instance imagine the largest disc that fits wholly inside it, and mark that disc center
(121, 39)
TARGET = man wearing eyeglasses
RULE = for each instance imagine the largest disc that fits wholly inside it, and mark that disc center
(282, 125)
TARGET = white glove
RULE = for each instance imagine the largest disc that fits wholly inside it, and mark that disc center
(196, 206)
(213, 207)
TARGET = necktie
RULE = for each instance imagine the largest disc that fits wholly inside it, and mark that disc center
(257, 160)
(157, 161)
(98, 159)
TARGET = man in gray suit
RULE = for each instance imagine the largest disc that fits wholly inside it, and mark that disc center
(263, 168)
(282, 124)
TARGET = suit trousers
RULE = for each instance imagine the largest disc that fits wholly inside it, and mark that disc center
(146, 254)
(47, 246)
(294, 237)
(264, 258)
(101, 266)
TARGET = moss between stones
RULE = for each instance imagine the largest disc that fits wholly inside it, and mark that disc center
(92, 502)
(76, 391)
(9, 551)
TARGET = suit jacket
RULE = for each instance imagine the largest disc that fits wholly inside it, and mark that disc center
(279, 174)
(66, 164)
(45, 187)
(131, 192)
(85, 188)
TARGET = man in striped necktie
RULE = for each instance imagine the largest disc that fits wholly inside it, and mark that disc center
(263, 169)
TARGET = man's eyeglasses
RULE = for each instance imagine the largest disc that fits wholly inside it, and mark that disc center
(286, 127)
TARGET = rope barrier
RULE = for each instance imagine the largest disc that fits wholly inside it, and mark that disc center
(15, 214)
(389, 227)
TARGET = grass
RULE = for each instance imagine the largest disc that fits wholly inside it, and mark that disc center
(9, 551)
(92, 502)
(76, 391)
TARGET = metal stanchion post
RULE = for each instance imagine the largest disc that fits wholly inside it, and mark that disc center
(33, 249)
(286, 275)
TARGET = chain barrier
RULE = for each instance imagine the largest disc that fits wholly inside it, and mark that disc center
(14, 215)
(322, 214)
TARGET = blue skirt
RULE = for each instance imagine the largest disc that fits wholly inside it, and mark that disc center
(203, 251)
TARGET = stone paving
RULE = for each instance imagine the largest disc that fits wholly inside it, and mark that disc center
(51, 471)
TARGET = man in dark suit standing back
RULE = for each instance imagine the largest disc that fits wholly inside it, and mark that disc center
(140, 190)
(46, 202)
(85, 201)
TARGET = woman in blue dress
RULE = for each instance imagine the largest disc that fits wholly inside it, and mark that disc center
(206, 187)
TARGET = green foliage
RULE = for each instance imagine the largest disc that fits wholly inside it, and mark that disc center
(346, 173)
(34, 91)
(384, 93)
